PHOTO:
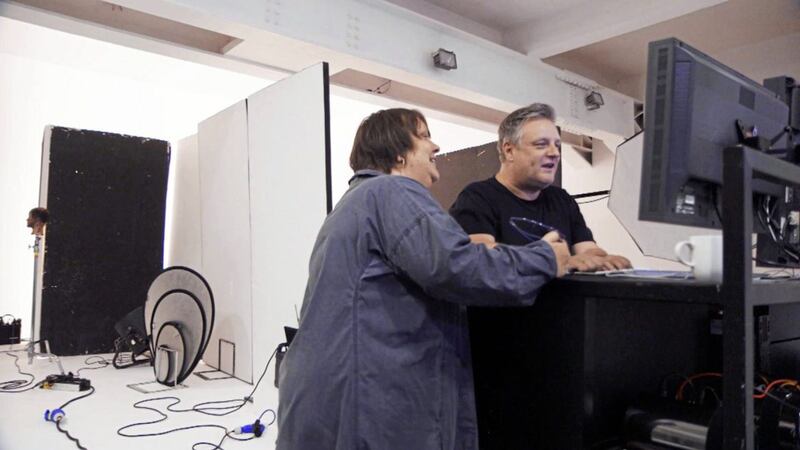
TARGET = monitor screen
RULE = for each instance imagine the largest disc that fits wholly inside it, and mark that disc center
(692, 107)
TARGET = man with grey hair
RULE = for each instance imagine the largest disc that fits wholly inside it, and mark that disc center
(516, 206)
(519, 204)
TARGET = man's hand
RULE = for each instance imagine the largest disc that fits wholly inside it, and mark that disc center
(560, 249)
(616, 262)
(589, 258)
(586, 262)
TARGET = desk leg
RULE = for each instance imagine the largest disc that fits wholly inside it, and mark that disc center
(737, 341)
(737, 385)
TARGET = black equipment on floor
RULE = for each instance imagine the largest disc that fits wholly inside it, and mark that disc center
(9, 329)
(132, 341)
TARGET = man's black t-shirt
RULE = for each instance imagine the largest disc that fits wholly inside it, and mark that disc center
(487, 207)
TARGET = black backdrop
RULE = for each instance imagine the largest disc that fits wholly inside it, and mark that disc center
(106, 194)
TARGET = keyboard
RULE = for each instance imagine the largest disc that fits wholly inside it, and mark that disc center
(641, 273)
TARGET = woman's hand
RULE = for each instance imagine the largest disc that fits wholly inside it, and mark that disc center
(560, 249)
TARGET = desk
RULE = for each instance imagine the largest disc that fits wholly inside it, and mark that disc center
(560, 374)
(95, 420)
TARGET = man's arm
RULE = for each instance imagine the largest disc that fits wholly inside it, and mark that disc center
(588, 257)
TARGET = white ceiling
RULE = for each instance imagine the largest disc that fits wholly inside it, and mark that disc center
(607, 40)
(506, 14)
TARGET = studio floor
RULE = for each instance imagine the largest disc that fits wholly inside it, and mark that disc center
(95, 420)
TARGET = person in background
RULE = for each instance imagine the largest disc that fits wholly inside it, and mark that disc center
(381, 359)
(37, 220)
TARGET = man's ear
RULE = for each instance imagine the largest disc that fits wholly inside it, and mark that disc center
(507, 149)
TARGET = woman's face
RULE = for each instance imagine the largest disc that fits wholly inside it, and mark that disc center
(419, 162)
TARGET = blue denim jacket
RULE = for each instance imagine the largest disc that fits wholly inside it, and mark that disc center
(381, 359)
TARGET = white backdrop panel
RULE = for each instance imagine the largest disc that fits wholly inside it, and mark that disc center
(289, 138)
(183, 246)
(225, 212)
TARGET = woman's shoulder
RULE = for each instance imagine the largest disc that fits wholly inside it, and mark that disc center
(393, 190)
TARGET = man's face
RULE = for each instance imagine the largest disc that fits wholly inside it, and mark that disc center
(35, 225)
(535, 159)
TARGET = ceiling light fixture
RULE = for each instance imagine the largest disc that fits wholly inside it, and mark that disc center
(445, 59)
(593, 101)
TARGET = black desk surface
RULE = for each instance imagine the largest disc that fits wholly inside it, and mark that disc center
(638, 289)
(766, 291)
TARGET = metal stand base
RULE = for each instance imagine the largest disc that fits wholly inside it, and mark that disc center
(151, 387)
(220, 373)
(42, 355)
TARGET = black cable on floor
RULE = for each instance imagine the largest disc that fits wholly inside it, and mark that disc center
(16, 386)
(93, 364)
(58, 421)
(91, 391)
(71, 438)
(218, 446)
(139, 405)
(202, 408)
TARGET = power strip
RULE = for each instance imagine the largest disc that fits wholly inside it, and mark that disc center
(66, 382)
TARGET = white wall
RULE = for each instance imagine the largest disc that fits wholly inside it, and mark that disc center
(50, 77)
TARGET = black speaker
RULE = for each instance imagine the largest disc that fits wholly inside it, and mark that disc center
(9, 330)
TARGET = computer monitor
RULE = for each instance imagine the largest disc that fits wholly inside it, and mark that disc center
(692, 107)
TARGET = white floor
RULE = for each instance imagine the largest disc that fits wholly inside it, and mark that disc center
(96, 419)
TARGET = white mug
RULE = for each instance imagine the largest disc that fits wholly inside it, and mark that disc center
(705, 256)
